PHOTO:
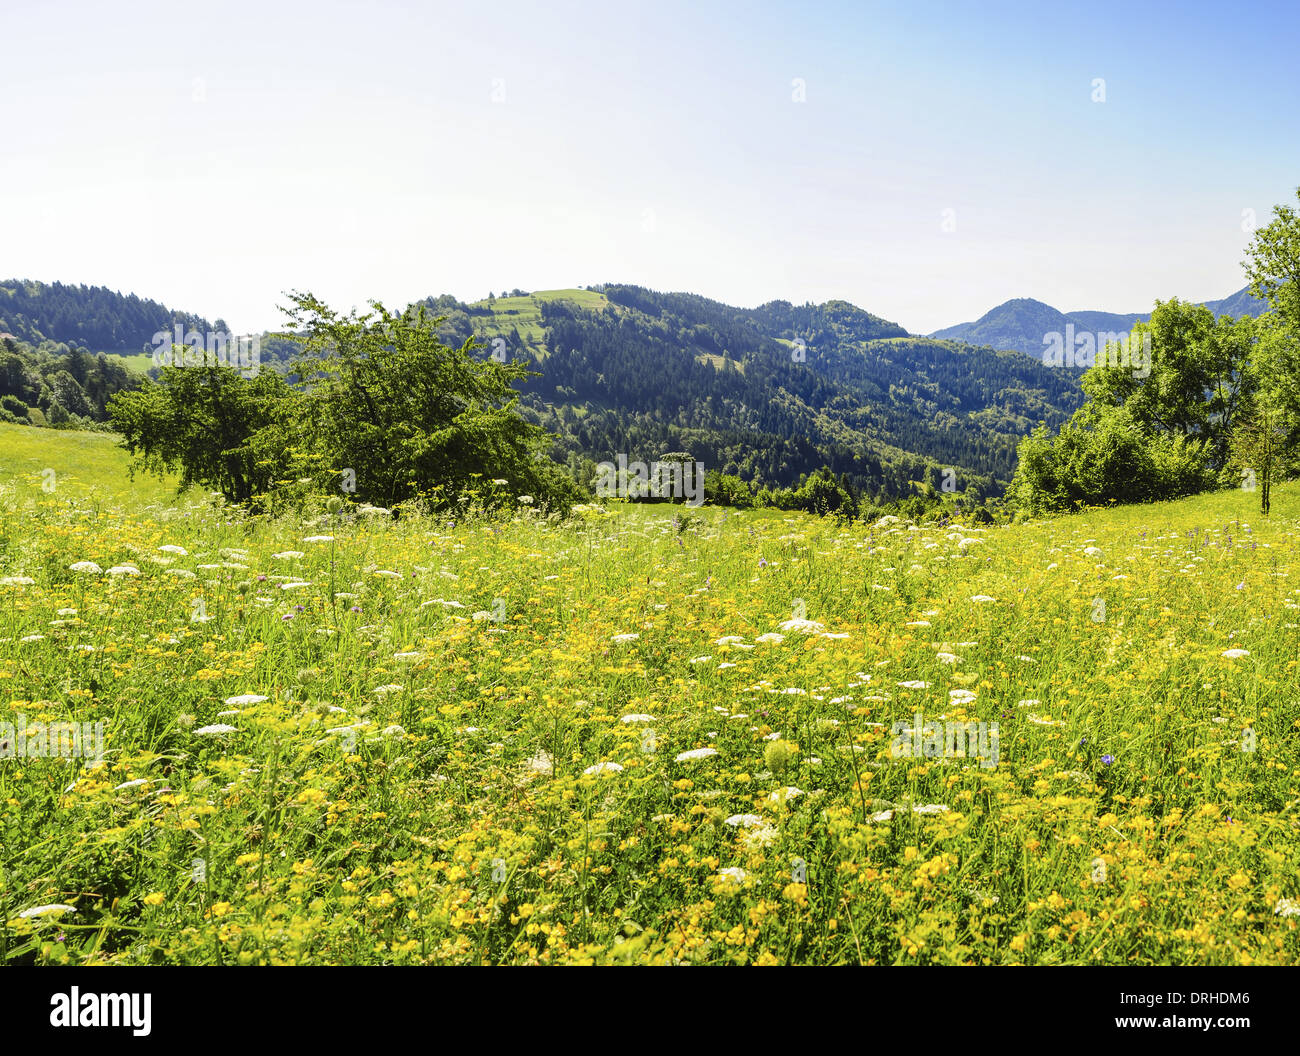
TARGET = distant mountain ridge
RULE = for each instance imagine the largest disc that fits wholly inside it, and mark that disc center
(1019, 325)
(768, 393)
(765, 394)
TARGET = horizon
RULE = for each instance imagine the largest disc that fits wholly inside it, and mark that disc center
(923, 163)
(668, 292)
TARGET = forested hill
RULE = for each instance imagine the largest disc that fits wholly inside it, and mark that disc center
(768, 393)
(92, 317)
(765, 394)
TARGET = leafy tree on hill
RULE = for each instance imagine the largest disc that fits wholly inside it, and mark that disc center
(1198, 381)
(412, 416)
(382, 409)
(1151, 429)
(218, 428)
(1273, 264)
(1266, 437)
(725, 489)
(1105, 456)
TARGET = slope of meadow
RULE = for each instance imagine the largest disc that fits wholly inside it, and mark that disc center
(524, 314)
(632, 737)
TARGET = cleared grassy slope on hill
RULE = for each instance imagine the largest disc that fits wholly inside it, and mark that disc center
(524, 313)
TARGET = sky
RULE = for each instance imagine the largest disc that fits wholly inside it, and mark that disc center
(924, 161)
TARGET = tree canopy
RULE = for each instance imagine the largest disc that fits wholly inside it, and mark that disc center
(380, 410)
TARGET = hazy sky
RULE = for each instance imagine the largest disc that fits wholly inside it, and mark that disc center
(212, 156)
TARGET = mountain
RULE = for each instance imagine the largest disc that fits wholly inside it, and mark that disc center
(1239, 304)
(1021, 324)
(767, 393)
(1017, 325)
(93, 317)
(1094, 321)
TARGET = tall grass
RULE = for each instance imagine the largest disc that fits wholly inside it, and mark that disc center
(423, 780)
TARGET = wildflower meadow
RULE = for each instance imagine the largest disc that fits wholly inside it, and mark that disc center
(646, 734)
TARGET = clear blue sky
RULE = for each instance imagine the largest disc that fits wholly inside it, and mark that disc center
(212, 156)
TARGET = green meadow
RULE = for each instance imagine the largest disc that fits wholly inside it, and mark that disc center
(525, 315)
(644, 734)
(139, 363)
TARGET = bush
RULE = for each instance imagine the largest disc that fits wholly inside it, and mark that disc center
(1103, 456)
(819, 493)
(724, 489)
(16, 410)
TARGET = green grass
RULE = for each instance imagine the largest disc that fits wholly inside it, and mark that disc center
(719, 362)
(413, 770)
(139, 363)
(54, 464)
(524, 314)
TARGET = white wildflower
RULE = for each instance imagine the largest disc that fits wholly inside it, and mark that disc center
(244, 698)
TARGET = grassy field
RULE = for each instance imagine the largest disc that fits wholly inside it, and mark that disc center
(51, 466)
(524, 314)
(136, 364)
(629, 738)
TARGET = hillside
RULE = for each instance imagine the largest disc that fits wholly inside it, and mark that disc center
(768, 393)
(93, 317)
(58, 386)
(1019, 325)
(1239, 304)
(71, 465)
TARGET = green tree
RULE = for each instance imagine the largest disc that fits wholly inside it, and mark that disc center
(1102, 455)
(218, 428)
(1273, 265)
(821, 493)
(726, 489)
(1198, 376)
(69, 393)
(411, 416)
(1259, 447)
(1267, 434)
